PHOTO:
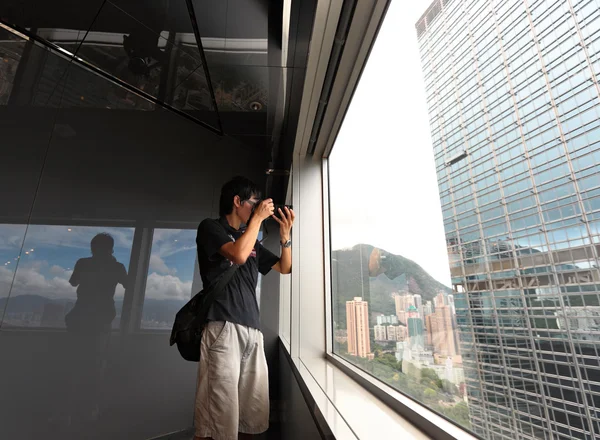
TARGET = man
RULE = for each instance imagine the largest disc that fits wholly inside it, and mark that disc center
(89, 325)
(233, 389)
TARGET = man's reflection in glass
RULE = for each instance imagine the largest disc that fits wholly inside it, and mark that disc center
(381, 261)
(89, 326)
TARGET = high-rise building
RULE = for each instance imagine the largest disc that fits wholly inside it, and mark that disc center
(513, 93)
(403, 302)
(427, 309)
(450, 299)
(418, 302)
(357, 321)
(396, 333)
(415, 328)
(439, 300)
(440, 333)
(389, 319)
(380, 332)
(428, 330)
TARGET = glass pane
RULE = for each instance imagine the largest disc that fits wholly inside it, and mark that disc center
(80, 271)
(11, 51)
(505, 343)
(173, 277)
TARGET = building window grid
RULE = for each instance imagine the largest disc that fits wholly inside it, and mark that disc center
(445, 152)
(497, 330)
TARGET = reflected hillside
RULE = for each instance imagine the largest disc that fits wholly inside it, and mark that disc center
(376, 275)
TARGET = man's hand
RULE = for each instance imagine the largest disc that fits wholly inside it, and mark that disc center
(265, 209)
(286, 220)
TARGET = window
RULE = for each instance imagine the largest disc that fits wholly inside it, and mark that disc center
(173, 277)
(490, 313)
(393, 311)
(38, 271)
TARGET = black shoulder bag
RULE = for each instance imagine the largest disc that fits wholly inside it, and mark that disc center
(191, 319)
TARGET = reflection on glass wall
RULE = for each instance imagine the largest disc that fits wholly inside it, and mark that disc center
(172, 277)
(85, 260)
(394, 320)
(60, 271)
(12, 49)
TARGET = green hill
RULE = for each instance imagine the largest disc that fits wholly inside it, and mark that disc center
(375, 275)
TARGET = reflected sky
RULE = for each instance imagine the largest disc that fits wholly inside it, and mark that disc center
(44, 263)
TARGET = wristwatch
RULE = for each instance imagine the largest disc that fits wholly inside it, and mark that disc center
(287, 244)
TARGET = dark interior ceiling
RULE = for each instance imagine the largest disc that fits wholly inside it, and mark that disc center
(216, 62)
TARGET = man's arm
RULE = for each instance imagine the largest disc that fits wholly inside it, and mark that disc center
(284, 265)
(123, 276)
(74, 280)
(240, 250)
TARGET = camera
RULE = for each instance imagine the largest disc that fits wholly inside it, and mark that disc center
(283, 206)
(277, 207)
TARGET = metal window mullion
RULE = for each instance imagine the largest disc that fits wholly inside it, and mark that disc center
(550, 256)
(475, 339)
(507, 220)
(133, 302)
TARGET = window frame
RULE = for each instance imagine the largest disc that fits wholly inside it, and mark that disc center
(432, 423)
(137, 268)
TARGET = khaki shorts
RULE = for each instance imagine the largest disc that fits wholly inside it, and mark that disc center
(233, 382)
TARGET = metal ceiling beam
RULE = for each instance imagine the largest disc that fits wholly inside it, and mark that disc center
(192, 13)
(59, 51)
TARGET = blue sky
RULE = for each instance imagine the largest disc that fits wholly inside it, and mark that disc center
(45, 270)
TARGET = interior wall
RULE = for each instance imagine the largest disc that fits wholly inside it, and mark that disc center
(69, 172)
(297, 421)
(269, 317)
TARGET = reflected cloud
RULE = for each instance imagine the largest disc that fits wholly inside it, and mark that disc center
(167, 287)
(157, 264)
(29, 280)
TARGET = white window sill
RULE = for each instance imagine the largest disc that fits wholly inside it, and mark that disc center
(353, 412)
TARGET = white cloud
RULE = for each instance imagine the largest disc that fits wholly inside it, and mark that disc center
(119, 292)
(28, 281)
(167, 287)
(57, 270)
(157, 264)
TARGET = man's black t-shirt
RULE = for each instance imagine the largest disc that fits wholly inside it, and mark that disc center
(237, 303)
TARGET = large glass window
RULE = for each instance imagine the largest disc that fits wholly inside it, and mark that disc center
(392, 302)
(173, 276)
(47, 268)
(488, 314)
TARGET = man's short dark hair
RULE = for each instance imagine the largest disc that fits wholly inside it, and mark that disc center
(238, 186)
(102, 244)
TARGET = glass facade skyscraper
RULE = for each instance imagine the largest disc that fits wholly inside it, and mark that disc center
(513, 93)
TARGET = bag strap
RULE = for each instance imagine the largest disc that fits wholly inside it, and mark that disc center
(220, 284)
